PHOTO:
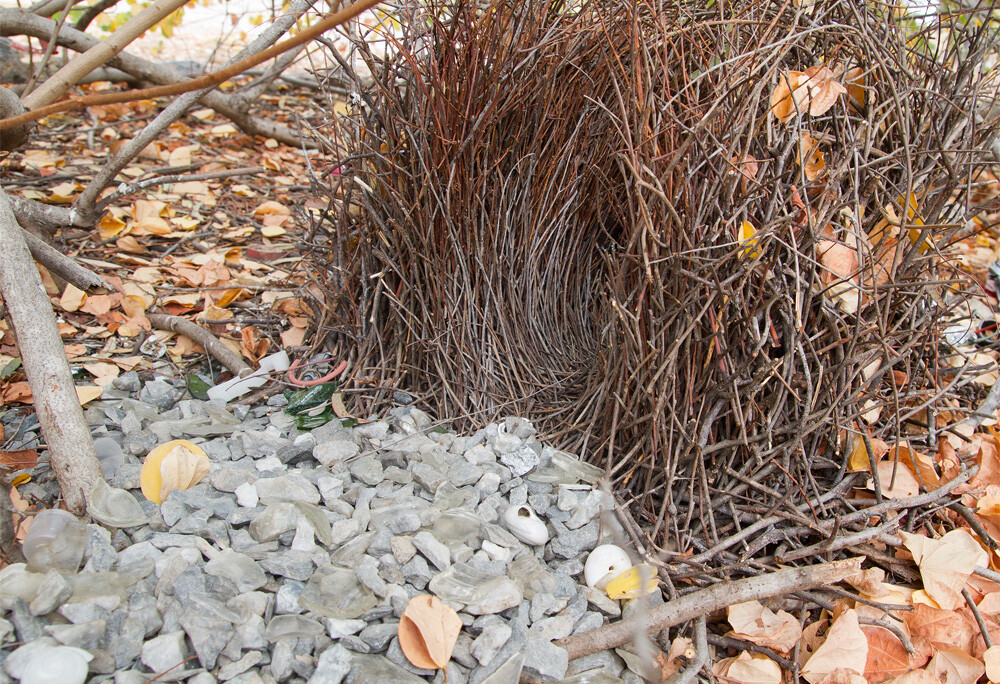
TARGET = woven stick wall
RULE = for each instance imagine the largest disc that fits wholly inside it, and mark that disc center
(591, 216)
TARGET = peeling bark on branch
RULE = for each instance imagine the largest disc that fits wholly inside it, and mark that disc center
(70, 446)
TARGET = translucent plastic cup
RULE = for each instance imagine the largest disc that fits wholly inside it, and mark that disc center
(56, 541)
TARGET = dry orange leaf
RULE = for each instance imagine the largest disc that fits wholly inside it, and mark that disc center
(896, 479)
(814, 90)
(845, 647)
(746, 236)
(757, 624)
(856, 93)
(945, 564)
(843, 676)
(428, 630)
(941, 628)
(100, 304)
(886, 655)
(811, 157)
(991, 658)
(859, 460)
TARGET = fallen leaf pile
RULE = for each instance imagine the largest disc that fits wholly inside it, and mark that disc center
(222, 253)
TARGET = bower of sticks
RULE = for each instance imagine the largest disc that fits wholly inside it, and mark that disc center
(706, 249)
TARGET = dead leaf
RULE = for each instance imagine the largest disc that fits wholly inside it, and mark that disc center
(955, 666)
(856, 93)
(759, 625)
(745, 236)
(814, 90)
(859, 459)
(72, 298)
(20, 459)
(681, 652)
(843, 676)
(945, 564)
(845, 647)
(916, 677)
(103, 372)
(87, 393)
(837, 256)
(991, 658)
(178, 464)
(101, 304)
(886, 655)
(253, 346)
(941, 628)
(811, 157)
(897, 480)
(748, 669)
(428, 630)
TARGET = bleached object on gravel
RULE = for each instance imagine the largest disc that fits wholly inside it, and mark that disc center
(524, 523)
(58, 665)
(237, 387)
(603, 563)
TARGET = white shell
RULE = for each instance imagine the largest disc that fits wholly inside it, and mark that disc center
(603, 561)
(524, 524)
(57, 665)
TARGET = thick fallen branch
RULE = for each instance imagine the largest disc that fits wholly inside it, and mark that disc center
(223, 354)
(707, 601)
(71, 449)
(64, 267)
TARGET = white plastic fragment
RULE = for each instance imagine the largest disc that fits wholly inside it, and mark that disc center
(237, 387)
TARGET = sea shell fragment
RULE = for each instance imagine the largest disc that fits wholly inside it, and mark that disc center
(524, 523)
(603, 563)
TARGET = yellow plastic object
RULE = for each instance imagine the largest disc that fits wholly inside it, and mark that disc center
(627, 584)
(178, 464)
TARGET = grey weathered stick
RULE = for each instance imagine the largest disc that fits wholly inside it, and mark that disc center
(223, 354)
(56, 403)
(64, 267)
(707, 601)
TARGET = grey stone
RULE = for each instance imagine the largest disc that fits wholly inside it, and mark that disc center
(125, 637)
(368, 469)
(295, 565)
(165, 652)
(403, 549)
(286, 600)
(546, 658)
(342, 628)
(88, 636)
(607, 662)
(52, 593)
(398, 475)
(405, 524)
(427, 476)
(588, 622)
(395, 654)
(228, 478)
(333, 665)
(433, 550)
(600, 601)
(377, 669)
(343, 530)
(379, 635)
(552, 628)
(159, 393)
(521, 461)
(208, 632)
(333, 452)
(490, 641)
(367, 571)
(238, 667)
(290, 487)
(260, 444)
(276, 519)
(127, 382)
(571, 543)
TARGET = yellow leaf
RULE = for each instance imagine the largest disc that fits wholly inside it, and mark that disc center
(746, 235)
(428, 630)
(64, 192)
(103, 372)
(204, 114)
(272, 231)
(179, 464)
(629, 584)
